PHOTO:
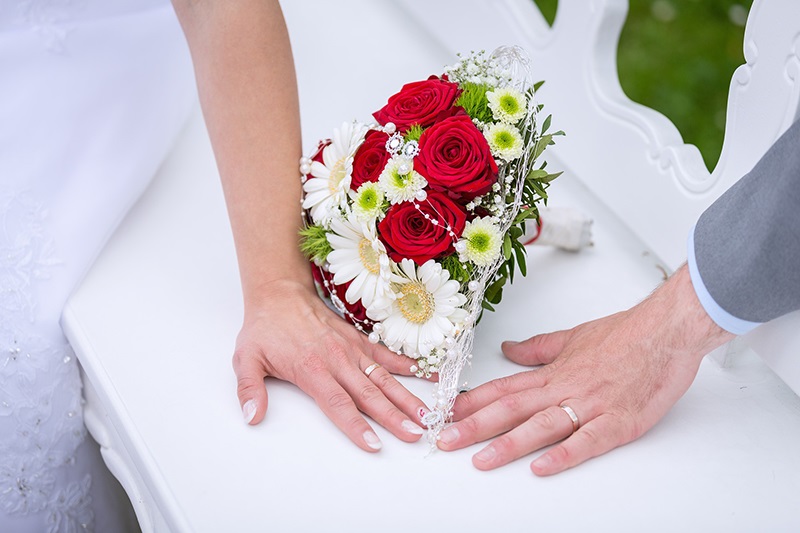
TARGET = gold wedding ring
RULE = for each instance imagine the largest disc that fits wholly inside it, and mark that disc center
(575, 423)
(371, 368)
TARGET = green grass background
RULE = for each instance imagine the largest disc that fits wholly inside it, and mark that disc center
(678, 56)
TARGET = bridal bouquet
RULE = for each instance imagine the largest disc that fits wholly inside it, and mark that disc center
(413, 223)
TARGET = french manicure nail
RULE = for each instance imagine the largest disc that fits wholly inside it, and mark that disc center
(543, 461)
(411, 427)
(421, 412)
(249, 411)
(372, 440)
(486, 454)
(449, 435)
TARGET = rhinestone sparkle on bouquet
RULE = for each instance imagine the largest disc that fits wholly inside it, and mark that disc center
(413, 223)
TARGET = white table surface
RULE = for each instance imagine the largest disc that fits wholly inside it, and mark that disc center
(153, 325)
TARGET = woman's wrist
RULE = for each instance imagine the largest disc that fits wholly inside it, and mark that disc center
(256, 296)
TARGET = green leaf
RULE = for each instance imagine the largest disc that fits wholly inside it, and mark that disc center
(494, 289)
(539, 190)
(521, 252)
(543, 142)
(536, 174)
(507, 247)
(526, 214)
(550, 177)
(546, 124)
(537, 85)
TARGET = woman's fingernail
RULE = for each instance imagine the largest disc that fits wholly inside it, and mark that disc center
(249, 411)
(449, 435)
(486, 454)
(411, 427)
(542, 462)
(372, 440)
(421, 412)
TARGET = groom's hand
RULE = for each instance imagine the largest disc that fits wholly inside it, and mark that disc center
(617, 376)
(291, 334)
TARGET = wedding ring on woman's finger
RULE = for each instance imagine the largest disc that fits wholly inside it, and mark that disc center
(371, 368)
(572, 416)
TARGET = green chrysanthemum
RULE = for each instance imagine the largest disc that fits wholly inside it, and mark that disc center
(399, 181)
(505, 141)
(507, 105)
(368, 202)
(483, 241)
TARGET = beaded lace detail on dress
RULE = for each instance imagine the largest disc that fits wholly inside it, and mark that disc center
(41, 422)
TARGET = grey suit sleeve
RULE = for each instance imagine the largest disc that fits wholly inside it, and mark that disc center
(747, 243)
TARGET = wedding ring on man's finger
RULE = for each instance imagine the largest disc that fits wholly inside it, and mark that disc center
(572, 416)
(371, 368)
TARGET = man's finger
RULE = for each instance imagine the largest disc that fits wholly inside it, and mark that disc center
(537, 350)
(595, 438)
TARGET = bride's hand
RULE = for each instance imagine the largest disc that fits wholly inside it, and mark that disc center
(290, 334)
(617, 375)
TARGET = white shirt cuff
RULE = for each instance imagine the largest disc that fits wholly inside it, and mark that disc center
(720, 316)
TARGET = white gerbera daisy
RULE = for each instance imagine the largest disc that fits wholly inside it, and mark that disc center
(425, 309)
(326, 192)
(482, 241)
(399, 181)
(507, 104)
(359, 256)
(504, 141)
(368, 202)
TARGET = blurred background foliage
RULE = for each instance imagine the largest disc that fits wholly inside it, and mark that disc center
(677, 57)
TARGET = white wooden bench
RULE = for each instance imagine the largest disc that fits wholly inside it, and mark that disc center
(154, 321)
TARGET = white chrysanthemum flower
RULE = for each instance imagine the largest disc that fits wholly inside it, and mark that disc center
(326, 192)
(368, 201)
(482, 241)
(399, 181)
(507, 104)
(359, 256)
(425, 309)
(504, 140)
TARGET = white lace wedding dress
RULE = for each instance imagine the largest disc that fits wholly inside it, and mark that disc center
(92, 95)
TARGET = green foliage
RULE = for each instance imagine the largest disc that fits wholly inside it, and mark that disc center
(678, 57)
(548, 9)
(473, 100)
(458, 271)
(414, 133)
(314, 243)
(688, 80)
(534, 190)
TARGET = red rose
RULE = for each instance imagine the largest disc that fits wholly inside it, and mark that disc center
(418, 103)
(407, 234)
(370, 159)
(455, 158)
